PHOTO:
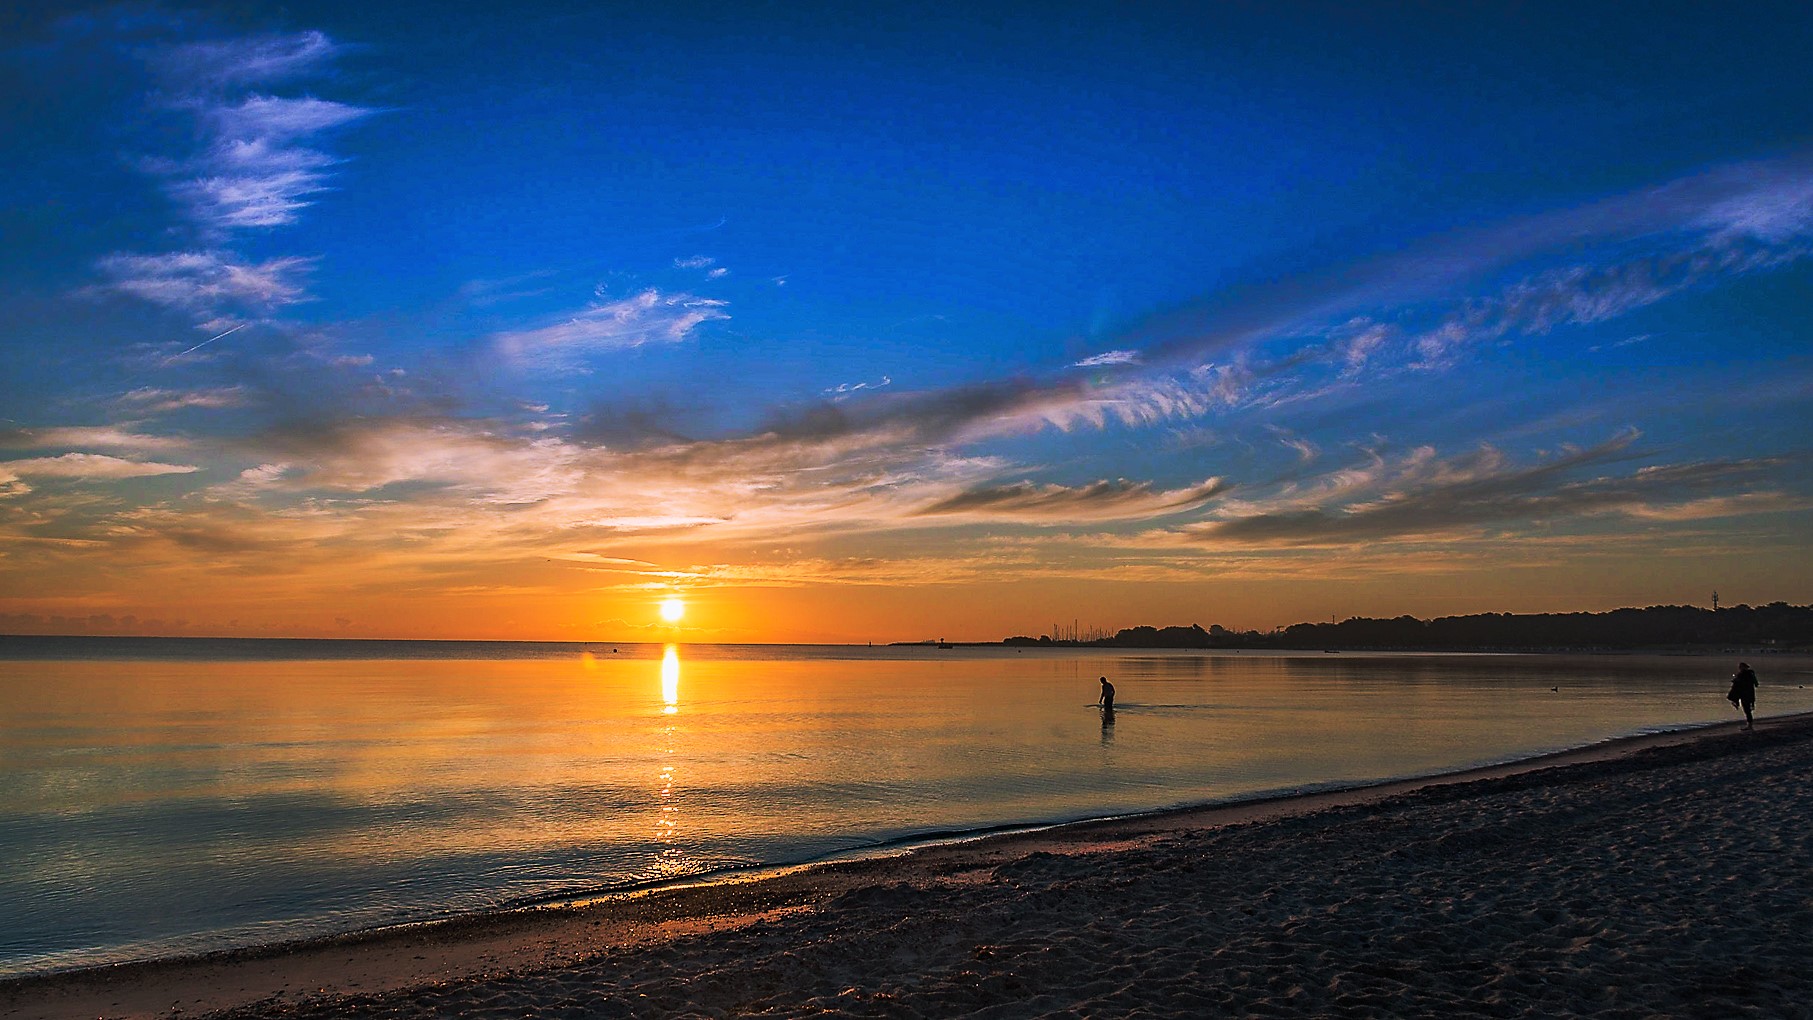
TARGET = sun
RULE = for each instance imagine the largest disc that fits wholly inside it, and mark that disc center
(672, 610)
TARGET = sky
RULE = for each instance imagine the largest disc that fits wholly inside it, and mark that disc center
(921, 321)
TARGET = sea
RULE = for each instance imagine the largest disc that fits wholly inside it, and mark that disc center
(168, 797)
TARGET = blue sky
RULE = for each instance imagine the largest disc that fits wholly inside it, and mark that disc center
(423, 321)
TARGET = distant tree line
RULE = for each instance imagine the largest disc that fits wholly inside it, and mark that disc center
(1776, 625)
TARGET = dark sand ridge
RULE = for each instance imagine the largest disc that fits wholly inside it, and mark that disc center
(1667, 874)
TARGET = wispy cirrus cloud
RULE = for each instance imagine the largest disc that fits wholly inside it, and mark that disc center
(1116, 500)
(1306, 450)
(614, 324)
(723, 489)
(156, 400)
(561, 489)
(425, 496)
(247, 59)
(1356, 341)
(1773, 205)
(92, 436)
(485, 292)
(1579, 295)
(1640, 246)
(1299, 339)
(209, 282)
(1108, 358)
(253, 182)
(262, 123)
(91, 466)
(843, 390)
(255, 169)
(1420, 496)
(976, 412)
(486, 463)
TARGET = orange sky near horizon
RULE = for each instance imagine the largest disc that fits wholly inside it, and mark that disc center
(811, 600)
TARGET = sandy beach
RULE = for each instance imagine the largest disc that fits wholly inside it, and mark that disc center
(1665, 875)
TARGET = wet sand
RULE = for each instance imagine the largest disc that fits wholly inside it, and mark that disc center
(1664, 875)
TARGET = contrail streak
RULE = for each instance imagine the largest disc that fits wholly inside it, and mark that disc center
(206, 342)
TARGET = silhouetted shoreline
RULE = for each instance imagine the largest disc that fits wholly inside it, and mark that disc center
(1777, 626)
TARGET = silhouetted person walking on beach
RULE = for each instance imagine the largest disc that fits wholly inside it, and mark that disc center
(1107, 701)
(1743, 693)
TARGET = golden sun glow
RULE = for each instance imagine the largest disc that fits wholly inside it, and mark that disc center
(672, 610)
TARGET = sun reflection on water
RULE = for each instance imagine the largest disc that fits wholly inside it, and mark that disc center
(671, 861)
(670, 679)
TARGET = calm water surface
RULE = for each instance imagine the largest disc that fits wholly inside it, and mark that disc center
(152, 806)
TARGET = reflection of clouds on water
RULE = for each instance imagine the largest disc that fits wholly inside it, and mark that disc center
(1144, 710)
(1163, 667)
(1136, 706)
